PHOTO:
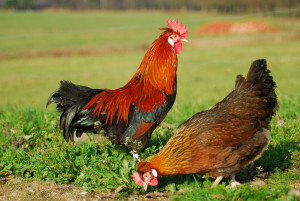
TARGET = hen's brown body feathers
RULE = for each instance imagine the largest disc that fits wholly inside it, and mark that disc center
(222, 140)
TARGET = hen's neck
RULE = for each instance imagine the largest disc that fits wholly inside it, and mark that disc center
(175, 157)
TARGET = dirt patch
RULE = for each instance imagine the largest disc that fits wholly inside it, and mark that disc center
(68, 52)
(235, 28)
(16, 189)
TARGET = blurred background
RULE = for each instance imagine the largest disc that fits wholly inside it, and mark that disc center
(203, 5)
(100, 44)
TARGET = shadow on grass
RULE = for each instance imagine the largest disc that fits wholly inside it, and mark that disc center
(276, 156)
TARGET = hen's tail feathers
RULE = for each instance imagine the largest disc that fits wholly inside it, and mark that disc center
(70, 99)
(257, 92)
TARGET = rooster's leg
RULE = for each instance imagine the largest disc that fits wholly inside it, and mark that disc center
(217, 181)
(135, 155)
(233, 182)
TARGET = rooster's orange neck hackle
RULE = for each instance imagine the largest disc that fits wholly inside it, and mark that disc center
(154, 79)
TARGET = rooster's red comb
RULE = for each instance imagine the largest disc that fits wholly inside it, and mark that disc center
(177, 27)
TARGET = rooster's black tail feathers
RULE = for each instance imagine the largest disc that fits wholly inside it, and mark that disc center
(70, 99)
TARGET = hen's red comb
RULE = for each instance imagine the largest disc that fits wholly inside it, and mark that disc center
(177, 27)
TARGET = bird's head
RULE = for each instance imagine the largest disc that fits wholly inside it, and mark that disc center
(145, 175)
(175, 34)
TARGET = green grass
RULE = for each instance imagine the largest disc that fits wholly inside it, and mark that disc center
(50, 46)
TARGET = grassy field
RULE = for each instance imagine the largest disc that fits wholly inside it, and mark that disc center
(103, 50)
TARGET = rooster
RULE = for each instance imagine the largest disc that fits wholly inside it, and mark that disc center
(222, 140)
(131, 113)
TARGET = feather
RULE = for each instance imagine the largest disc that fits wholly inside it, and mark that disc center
(148, 88)
(130, 112)
(222, 140)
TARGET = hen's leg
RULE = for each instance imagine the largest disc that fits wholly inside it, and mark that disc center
(233, 182)
(217, 181)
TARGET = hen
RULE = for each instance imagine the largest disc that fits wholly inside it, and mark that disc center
(222, 140)
(132, 112)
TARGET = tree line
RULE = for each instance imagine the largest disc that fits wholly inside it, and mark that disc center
(227, 6)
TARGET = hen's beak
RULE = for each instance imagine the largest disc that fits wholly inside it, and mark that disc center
(184, 39)
(145, 186)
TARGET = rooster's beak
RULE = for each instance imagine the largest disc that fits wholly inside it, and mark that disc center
(183, 39)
